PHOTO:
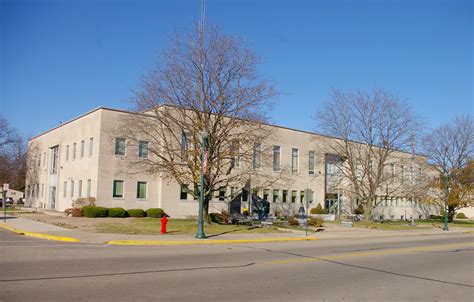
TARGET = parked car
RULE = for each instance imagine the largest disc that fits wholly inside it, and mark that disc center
(9, 201)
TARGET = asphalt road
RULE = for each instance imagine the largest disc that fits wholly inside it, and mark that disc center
(421, 268)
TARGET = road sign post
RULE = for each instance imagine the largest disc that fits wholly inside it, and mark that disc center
(4, 201)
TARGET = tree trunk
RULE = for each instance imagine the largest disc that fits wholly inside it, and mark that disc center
(367, 212)
(451, 213)
(207, 218)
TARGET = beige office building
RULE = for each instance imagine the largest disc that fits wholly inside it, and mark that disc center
(80, 158)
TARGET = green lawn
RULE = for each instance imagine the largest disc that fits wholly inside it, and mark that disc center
(151, 226)
(420, 224)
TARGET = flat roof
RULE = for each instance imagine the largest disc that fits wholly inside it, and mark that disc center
(144, 114)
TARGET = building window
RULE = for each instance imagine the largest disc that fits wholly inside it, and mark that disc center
(72, 188)
(82, 148)
(311, 163)
(44, 159)
(74, 151)
(294, 160)
(235, 150)
(54, 160)
(294, 195)
(143, 149)
(91, 146)
(392, 169)
(39, 160)
(266, 192)
(42, 190)
(358, 170)
(119, 146)
(222, 193)
(402, 172)
(257, 148)
(245, 195)
(64, 189)
(89, 185)
(141, 190)
(276, 158)
(79, 190)
(276, 195)
(184, 146)
(67, 152)
(118, 189)
(183, 194)
(301, 196)
(285, 196)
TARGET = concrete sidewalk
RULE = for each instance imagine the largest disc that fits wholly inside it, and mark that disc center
(330, 232)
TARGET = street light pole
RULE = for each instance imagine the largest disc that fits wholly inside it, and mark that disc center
(200, 233)
(446, 202)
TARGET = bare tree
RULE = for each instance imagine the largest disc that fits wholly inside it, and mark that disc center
(12, 156)
(371, 129)
(206, 81)
(451, 151)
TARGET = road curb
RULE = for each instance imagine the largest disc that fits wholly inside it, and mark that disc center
(204, 242)
(39, 235)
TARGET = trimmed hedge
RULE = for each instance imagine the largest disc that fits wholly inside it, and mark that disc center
(136, 213)
(94, 212)
(155, 213)
(117, 213)
(216, 218)
(315, 222)
(461, 216)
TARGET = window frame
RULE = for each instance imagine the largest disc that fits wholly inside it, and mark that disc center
(117, 148)
(294, 160)
(114, 182)
(138, 190)
(140, 144)
(311, 162)
(276, 150)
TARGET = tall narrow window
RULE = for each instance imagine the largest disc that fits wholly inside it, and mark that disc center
(294, 160)
(39, 160)
(257, 148)
(143, 149)
(67, 153)
(392, 169)
(183, 194)
(72, 188)
(44, 159)
(294, 195)
(141, 190)
(301, 196)
(79, 189)
(91, 146)
(184, 146)
(311, 163)
(358, 170)
(82, 148)
(118, 189)
(411, 174)
(74, 151)
(89, 185)
(235, 150)
(42, 190)
(276, 195)
(54, 160)
(276, 158)
(245, 195)
(119, 146)
(65, 189)
(402, 172)
(285, 196)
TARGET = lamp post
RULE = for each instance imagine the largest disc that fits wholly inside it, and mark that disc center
(200, 233)
(446, 202)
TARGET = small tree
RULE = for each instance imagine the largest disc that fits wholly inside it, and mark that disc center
(371, 129)
(451, 151)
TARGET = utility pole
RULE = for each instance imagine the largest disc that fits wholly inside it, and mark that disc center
(4, 201)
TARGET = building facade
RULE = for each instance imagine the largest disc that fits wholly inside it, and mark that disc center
(84, 158)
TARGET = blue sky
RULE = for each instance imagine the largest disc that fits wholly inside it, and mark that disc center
(60, 59)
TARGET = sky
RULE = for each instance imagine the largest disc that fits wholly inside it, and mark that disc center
(60, 59)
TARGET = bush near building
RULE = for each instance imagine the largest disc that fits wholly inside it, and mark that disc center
(315, 221)
(461, 216)
(359, 210)
(155, 213)
(317, 210)
(117, 213)
(293, 222)
(95, 212)
(136, 213)
(74, 212)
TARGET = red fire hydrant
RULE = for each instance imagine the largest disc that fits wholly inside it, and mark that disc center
(164, 221)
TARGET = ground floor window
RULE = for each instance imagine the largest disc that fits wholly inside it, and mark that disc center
(301, 196)
(118, 189)
(141, 190)
(266, 192)
(183, 194)
(293, 196)
(285, 196)
(276, 195)
(222, 193)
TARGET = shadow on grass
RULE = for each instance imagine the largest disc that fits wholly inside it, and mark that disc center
(232, 231)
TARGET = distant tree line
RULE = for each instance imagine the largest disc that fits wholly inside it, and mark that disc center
(13, 156)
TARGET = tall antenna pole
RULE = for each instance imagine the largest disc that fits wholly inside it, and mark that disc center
(203, 15)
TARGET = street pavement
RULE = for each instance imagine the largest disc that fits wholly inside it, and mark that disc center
(414, 268)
